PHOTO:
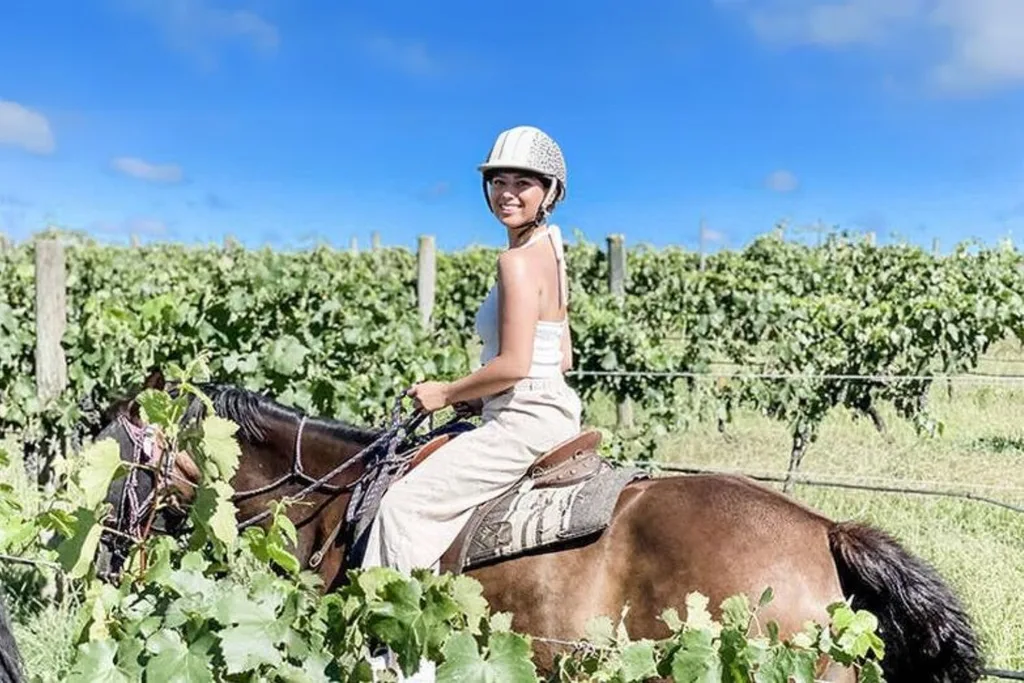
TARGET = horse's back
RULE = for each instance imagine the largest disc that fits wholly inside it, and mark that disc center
(724, 534)
(669, 536)
(736, 502)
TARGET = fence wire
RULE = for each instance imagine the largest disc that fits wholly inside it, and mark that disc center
(798, 478)
(980, 378)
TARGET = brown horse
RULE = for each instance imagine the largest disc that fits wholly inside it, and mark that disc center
(668, 536)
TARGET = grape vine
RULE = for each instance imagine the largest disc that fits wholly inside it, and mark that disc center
(338, 333)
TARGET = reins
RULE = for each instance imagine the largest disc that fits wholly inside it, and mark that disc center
(381, 453)
(392, 436)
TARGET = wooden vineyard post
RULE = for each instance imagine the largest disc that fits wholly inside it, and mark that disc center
(617, 265)
(426, 279)
(617, 287)
(51, 322)
(703, 245)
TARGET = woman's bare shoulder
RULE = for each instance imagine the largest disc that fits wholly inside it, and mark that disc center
(515, 265)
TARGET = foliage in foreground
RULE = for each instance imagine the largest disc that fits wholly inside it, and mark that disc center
(213, 605)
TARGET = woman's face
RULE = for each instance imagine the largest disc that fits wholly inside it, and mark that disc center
(515, 197)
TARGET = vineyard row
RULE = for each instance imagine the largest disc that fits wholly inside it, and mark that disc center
(339, 333)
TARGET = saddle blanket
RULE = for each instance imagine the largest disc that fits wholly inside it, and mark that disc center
(526, 518)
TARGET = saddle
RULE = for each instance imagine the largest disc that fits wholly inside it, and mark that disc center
(570, 491)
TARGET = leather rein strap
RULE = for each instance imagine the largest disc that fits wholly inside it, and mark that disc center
(390, 438)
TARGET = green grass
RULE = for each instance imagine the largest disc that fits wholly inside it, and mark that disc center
(42, 614)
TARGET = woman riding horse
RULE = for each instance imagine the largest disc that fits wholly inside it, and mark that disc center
(520, 391)
(667, 537)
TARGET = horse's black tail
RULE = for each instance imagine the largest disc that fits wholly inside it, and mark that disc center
(928, 636)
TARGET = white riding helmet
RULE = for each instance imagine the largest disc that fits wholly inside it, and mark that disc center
(526, 148)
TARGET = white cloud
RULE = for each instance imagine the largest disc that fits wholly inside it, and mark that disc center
(22, 127)
(832, 24)
(987, 43)
(781, 181)
(411, 57)
(199, 28)
(157, 173)
(135, 225)
(965, 45)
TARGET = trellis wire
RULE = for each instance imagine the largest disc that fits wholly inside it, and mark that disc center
(680, 374)
(810, 481)
(857, 479)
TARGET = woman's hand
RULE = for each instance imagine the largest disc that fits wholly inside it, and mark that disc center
(429, 396)
(464, 409)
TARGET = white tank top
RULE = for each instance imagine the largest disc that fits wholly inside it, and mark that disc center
(547, 338)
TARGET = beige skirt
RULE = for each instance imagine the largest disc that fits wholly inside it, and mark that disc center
(422, 513)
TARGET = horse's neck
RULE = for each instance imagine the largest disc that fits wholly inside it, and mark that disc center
(324, 448)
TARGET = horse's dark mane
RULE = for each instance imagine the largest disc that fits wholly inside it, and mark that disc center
(250, 410)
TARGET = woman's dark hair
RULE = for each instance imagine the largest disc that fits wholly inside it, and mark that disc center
(543, 180)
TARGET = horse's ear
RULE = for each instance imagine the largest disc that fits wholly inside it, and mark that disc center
(155, 379)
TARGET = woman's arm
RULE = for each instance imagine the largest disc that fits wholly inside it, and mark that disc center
(519, 307)
(567, 346)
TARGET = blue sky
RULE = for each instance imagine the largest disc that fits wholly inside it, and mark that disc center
(289, 121)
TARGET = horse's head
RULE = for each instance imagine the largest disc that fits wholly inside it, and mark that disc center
(284, 453)
(130, 495)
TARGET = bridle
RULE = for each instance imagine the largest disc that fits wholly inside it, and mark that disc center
(146, 453)
(297, 473)
(386, 461)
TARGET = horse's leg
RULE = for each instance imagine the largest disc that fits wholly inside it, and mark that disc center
(668, 538)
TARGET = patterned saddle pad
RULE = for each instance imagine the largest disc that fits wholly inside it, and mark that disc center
(528, 518)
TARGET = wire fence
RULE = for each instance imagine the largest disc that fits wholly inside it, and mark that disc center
(838, 482)
(947, 488)
(975, 377)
